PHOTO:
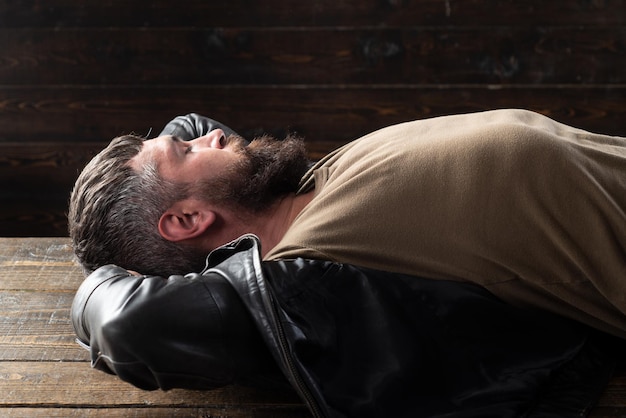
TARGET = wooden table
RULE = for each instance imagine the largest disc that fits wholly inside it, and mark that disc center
(44, 373)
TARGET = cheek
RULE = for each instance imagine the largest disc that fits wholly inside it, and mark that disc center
(210, 165)
(201, 167)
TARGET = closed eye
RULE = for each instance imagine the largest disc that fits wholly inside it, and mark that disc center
(189, 149)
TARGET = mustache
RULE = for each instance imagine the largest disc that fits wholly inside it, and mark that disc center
(235, 142)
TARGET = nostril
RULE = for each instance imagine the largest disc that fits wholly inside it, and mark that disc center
(222, 141)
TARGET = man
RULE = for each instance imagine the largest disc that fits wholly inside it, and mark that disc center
(179, 198)
(351, 341)
(528, 208)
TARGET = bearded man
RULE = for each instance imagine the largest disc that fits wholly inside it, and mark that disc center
(528, 208)
(181, 198)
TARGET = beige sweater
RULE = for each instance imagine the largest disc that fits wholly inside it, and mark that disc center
(531, 209)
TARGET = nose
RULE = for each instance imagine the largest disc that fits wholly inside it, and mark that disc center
(213, 139)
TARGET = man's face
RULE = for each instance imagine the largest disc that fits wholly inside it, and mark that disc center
(184, 162)
(224, 171)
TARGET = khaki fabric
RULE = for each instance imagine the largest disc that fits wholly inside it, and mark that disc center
(531, 209)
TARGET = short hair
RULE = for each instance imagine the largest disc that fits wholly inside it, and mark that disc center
(114, 212)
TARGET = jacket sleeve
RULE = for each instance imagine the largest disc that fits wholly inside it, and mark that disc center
(193, 125)
(184, 331)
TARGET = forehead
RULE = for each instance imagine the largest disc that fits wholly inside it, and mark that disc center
(153, 151)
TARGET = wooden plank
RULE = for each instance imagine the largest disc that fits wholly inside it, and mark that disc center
(33, 216)
(615, 393)
(76, 384)
(38, 279)
(44, 348)
(35, 184)
(22, 161)
(38, 264)
(415, 55)
(326, 116)
(164, 412)
(147, 13)
(49, 261)
(27, 384)
(36, 325)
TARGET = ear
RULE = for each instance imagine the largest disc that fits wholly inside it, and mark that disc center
(186, 219)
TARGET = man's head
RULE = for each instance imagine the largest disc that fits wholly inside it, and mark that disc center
(144, 204)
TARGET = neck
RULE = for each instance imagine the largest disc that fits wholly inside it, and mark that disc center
(272, 226)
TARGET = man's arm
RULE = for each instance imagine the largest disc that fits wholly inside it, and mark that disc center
(185, 331)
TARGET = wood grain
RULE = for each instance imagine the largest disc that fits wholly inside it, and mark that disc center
(160, 412)
(346, 55)
(75, 383)
(333, 114)
(74, 75)
(44, 372)
(237, 13)
(28, 264)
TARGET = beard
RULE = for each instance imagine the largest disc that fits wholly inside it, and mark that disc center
(268, 170)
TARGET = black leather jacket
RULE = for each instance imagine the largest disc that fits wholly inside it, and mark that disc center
(351, 341)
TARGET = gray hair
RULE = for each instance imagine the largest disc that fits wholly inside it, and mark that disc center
(114, 213)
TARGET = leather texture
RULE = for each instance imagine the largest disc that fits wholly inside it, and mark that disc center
(193, 125)
(352, 342)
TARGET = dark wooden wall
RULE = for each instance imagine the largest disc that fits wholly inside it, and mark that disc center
(74, 74)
